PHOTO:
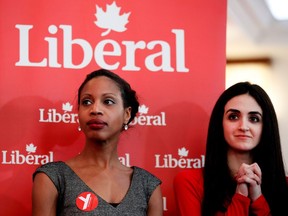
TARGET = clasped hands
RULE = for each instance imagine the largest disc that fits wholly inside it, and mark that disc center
(248, 180)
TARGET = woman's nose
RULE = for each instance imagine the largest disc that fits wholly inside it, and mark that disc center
(96, 108)
(243, 126)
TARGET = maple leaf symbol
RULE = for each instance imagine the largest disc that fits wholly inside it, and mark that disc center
(67, 107)
(111, 19)
(143, 109)
(31, 148)
(183, 152)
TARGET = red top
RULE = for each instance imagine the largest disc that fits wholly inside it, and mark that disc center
(188, 186)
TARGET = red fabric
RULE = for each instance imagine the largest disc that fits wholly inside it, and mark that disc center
(188, 188)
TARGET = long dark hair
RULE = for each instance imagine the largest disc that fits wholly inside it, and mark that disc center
(128, 95)
(219, 186)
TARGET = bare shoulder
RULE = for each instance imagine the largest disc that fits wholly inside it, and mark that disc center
(44, 184)
(155, 205)
(44, 195)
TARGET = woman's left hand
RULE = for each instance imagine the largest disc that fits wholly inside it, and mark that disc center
(251, 175)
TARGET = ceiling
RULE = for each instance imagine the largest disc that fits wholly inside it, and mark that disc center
(252, 32)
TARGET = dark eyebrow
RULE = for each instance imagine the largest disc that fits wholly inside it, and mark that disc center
(237, 111)
(255, 113)
(85, 95)
(232, 110)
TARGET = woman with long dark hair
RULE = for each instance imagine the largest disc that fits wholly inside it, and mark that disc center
(244, 172)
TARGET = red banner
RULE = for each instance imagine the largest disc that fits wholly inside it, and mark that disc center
(172, 53)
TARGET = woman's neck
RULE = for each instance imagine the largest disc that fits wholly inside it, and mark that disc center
(235, 159)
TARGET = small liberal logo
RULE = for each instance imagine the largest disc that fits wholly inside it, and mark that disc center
(87, 201)
(53, 116)
(149, 120)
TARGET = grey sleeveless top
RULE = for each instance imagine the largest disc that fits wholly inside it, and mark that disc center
(76, 198)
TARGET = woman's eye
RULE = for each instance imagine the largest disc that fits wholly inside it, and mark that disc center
(86, 102)
(109, 101)
(233, 117)
(254, 119)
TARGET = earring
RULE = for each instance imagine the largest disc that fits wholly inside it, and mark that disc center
(79, 128)
(125, 126)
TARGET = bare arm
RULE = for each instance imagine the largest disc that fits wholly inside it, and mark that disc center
(44, 196)
(155, 205)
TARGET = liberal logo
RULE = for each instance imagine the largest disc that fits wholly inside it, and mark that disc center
(100, 53)
(54, 116)
(149, 120)
(168, 161)
(30, 158)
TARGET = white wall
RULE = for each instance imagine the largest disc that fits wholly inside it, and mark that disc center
(279, 86)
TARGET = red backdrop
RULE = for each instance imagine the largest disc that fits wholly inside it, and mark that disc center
(172, 53)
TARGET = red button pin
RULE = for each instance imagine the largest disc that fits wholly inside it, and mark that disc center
(87, 201)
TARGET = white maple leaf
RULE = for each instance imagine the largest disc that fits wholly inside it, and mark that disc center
(143, 109)
(183, 152)
(31, 148)
(111, 19)
(67, 107)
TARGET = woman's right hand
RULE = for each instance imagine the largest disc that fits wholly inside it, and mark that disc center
(249, 181)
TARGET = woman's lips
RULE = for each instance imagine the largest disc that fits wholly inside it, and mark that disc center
(96, 124)
(243, 136)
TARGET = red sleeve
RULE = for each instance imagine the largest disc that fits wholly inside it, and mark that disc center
(260, 207)
(239, 206)
(188, 189)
